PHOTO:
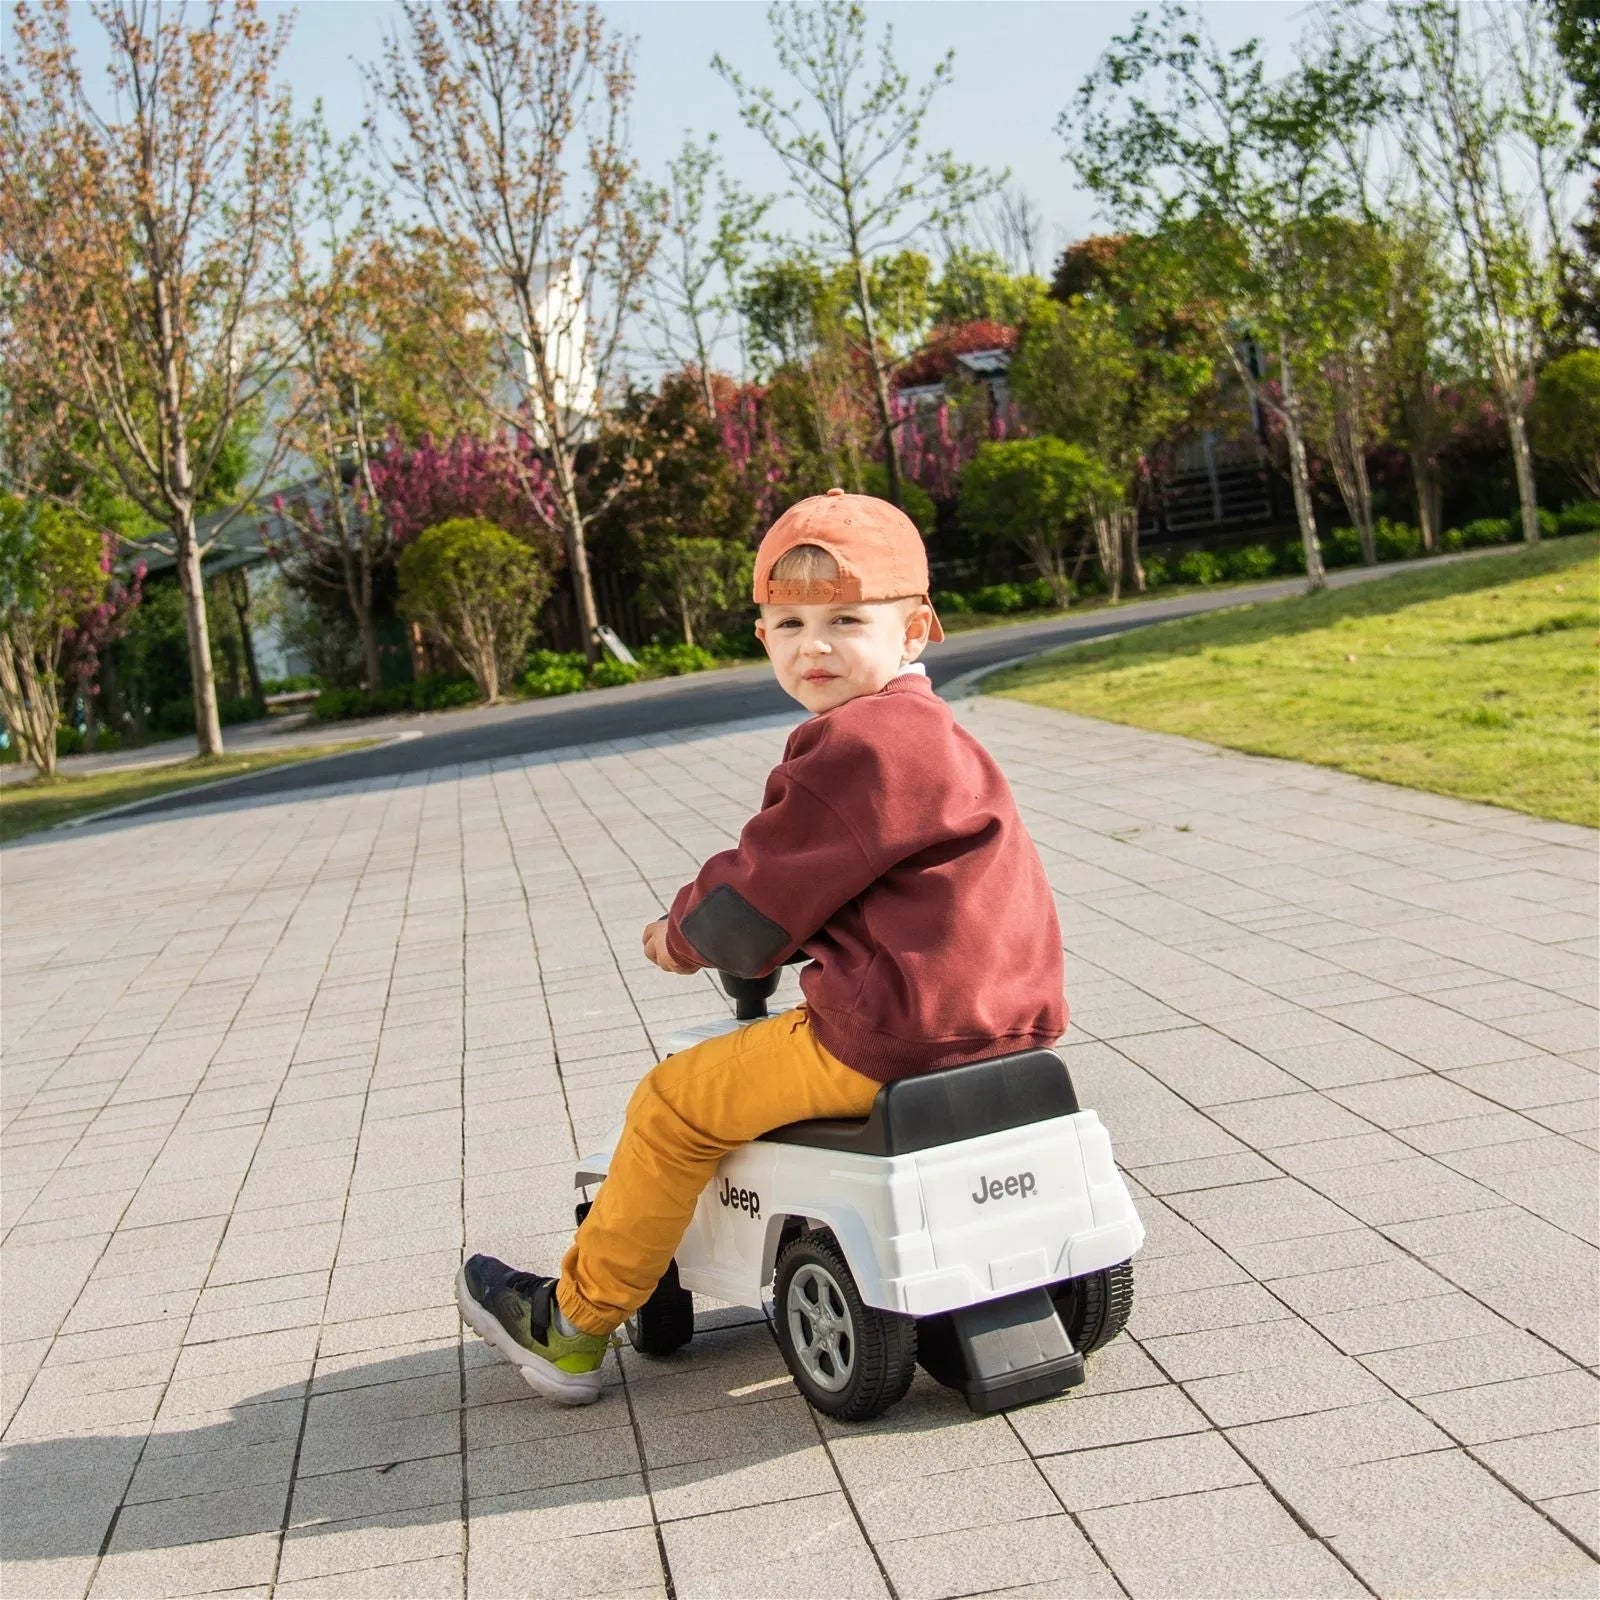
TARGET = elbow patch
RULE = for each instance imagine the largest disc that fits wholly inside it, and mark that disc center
(732, 935)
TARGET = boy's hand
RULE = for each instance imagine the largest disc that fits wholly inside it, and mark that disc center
(655, 948)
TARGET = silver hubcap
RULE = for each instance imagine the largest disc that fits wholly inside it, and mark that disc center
(820, 1328)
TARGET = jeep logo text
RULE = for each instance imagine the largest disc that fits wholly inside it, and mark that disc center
(1019, 1183)
(746, 1200)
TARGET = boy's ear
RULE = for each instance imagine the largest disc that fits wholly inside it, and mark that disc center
(761, 631)
(919, 624)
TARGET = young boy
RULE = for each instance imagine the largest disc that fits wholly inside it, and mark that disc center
(889, 850)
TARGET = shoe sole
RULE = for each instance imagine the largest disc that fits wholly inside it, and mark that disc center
(565, 1388)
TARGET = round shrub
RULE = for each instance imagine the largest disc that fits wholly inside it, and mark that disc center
(1156, 572)
(336, 705)
(1037, 595)
(439, 691)
(607, 673)
(997, 599)
(675, 660)
(1549, 523)
(550, 672)
(1582, 517)
(1292, 557)
(1199, 566)
(948, 603)
(559, 678)
(1341, 547)
(1396, 541)
(1254, 561)
(477, 590)
(1485, 531)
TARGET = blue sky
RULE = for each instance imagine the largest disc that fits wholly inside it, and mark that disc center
(1017, 65)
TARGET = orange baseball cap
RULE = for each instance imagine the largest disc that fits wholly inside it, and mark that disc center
(876, 547)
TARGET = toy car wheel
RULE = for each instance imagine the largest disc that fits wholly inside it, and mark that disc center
(1094, 1308)
(850, 1359)
(581, 1210)
(665, 1322)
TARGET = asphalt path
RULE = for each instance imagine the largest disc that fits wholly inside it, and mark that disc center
(700, 700)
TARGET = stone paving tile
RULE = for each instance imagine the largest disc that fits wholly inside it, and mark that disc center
(1342, 1035)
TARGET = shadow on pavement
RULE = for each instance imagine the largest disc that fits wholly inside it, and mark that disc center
(718, 1425)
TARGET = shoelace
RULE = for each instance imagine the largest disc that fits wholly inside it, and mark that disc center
(526, 1283)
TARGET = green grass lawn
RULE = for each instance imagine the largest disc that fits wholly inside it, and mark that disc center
(38, 803)
(1477, 680)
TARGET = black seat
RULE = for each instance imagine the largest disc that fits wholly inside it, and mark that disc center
(942, 1107)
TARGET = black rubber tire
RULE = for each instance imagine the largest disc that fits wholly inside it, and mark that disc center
(581, 1210)
(884, 1343)
(665, 1322)
(1094, 1309)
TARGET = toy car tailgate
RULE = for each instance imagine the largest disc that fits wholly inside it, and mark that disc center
(1011, 1194)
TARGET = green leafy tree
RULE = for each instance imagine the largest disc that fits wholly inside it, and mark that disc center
(1098, 374)
(851, 148)
(797, 317)
(512, 123)
(697, 584)
(1485, 105)
(1035, 493)
(693, 279)
(1419, 298)
(50, 576)
(1242, 177)
(1577, 37)
(687, 521)
(141, 243)
(1345, 392)
(1566, 417)
(477, 590)
(976, 286)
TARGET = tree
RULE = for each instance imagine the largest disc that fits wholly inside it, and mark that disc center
(1566, 417)
(1486, 101)
(1032, 493)
(1344, 393)
(974, 286)
(338, 527)
(697, 583)
(58, 608)
(1241, 179)
(1117, 371)
(477, 591)
(513, 119)
(797, 322)
(1414, 322)
(415, 283)
(693, 278)
(685, 526)
(852, 151)
(1577, 37)
(139, 253)
(1007, 226)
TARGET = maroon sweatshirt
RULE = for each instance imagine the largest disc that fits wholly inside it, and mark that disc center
(889, 847)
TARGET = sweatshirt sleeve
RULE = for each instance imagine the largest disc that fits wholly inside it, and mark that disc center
(796, 863)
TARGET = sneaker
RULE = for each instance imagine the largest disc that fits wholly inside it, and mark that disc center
(516, 1313)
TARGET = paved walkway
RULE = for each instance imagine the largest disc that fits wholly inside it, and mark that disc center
(265, 1084)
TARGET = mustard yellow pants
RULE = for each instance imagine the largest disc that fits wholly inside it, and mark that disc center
(688, 1112)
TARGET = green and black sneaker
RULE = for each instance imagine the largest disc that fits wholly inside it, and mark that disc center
(517, 1313)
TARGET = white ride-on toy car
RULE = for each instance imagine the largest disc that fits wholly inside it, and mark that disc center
(974, 1223)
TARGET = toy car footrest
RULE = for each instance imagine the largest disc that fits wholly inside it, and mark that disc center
(1001, 1353)
(942, 1107)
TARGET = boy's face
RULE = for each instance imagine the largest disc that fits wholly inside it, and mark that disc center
(824, 655)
